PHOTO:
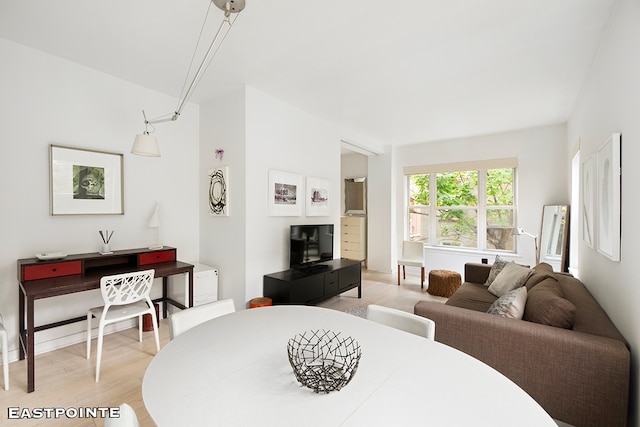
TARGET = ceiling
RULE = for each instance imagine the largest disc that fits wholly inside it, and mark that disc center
(392, 72)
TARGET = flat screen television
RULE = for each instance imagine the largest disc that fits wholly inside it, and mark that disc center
(310, 244)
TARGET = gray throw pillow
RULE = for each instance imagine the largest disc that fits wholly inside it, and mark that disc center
(511, 277)
(496, 268)
(511, 305)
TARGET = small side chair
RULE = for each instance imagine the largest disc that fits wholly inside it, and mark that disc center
(128, 418)
(5, 353)
(412, 256)
(182, 321)
(402, 320)
(125, 296)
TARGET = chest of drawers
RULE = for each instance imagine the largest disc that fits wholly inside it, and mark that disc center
(353, 237)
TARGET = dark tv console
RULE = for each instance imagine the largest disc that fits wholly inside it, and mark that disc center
(302, 286)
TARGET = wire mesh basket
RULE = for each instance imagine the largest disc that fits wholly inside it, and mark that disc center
(322, 360)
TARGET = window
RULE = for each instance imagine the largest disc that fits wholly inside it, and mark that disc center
(465, 208)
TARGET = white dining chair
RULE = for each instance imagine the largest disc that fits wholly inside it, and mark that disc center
(402, 320)
(125, 296)
(127, 418)
(186, 319)
(412, 256)
(5, 353)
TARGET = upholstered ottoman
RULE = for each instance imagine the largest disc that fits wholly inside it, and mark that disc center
(443, 283)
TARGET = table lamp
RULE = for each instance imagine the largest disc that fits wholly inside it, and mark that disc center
(154, 222)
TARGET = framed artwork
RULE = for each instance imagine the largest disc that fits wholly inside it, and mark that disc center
(85, 182)
(589, 201)
(609, 185)
(285, 194)
(219, 191)
(317, 197)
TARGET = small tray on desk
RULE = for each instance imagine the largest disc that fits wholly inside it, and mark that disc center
(48, 256)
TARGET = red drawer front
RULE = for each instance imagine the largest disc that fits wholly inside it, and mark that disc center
(46, 271)
(156, 257)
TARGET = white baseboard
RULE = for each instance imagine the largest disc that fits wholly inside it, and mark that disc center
(75, 338)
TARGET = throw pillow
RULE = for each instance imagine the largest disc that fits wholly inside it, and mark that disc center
(510, 305)
(511, 277)
(543, 266)
(538, 276)
(496, 268)
(546, 305)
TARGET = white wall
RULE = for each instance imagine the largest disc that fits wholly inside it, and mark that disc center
(610, 103)
(222, 239)
(381, 217)
(260, 133)
(48, 100)
(541, 179)
(284, 138)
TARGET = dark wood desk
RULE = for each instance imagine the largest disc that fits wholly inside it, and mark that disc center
(82, 272)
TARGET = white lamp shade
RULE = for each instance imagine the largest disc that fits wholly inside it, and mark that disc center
(145, 145)
(154, 221)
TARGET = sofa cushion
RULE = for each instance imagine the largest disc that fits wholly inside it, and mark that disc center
(472, 296)
(546, 305)
(510, 305)
(511, 277)
(496, 268)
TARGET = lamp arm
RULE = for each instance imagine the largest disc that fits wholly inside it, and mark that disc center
(211, 52)
(173, 118)
(216, 43)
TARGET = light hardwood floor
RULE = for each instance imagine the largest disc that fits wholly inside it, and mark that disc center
(66, 379)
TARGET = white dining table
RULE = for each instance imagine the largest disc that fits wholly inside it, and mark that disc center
(234, 371)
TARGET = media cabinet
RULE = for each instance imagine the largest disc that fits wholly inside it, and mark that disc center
(311, 286)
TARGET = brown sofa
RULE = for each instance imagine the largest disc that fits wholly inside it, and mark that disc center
(579, 375)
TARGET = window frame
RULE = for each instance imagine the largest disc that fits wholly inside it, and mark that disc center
(481, 208)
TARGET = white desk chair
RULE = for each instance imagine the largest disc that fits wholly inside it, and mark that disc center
(128, 418)
(5, 353)
(413, 256)
(402, 320)
(125, 296)
(184, 320)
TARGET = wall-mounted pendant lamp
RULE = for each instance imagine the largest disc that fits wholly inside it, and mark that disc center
(146, 144)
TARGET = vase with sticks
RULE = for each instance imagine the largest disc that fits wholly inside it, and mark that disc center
(106, 238)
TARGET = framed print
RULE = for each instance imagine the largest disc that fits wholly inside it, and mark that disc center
(589, 201)
(285, 194)
(317, 197)
(219, 191)
(609, 185)
(85, 182)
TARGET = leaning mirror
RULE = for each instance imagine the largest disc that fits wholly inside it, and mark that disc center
(355, 196)
(554, 236)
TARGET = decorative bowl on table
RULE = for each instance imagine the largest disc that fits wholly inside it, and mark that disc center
(322, 360)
